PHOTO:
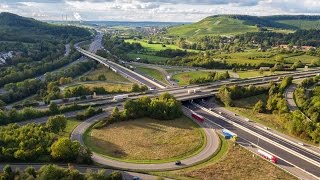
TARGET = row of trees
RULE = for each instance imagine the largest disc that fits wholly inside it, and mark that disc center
(228, 94)
(54, 172)
(212, 76)
(27, 113)
(165, 107)
(38, 143)
(309, 105)
(82, 90)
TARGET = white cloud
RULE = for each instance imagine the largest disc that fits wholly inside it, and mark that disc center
(155, 10)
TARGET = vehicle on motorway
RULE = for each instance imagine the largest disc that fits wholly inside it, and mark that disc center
(120, 97)
(197, 117)
(247, 119)
(178, 163)
(152, 88)
(300, 143)
(228, 134)
(220, 112)
(268, 156)
(136, 178)
(266, 128)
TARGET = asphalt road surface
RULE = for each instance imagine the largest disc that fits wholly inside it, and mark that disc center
(263, 143)
(211, 147)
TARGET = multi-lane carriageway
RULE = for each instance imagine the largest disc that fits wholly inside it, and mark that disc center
(288, 151)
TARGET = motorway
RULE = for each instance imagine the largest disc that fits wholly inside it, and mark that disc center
(212, 146)
(127, 73)
(288, 151)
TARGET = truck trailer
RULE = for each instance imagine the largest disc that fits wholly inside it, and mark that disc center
(268, 156)
(120, 97)
(197, 117)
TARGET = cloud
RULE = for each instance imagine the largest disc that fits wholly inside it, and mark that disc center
(77, 16)
(154, 10)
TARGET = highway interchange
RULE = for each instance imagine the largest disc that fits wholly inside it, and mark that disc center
(290, 153)
(301, 161)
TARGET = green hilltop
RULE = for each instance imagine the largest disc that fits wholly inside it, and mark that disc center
(22, 29)
(227, 25)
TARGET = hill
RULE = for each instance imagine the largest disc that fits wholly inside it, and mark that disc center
(297, 21)
(22, 29)
(239, 24)
(215, 25)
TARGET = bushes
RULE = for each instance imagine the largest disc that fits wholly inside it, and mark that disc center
(165, 107)
(54, 172)
(89, 112)
(227, 94)
(212, 76)
(12, 116)
(37, 143)
(66, 150)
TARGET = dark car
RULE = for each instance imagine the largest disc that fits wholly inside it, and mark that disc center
(136, 178)
(178, 163)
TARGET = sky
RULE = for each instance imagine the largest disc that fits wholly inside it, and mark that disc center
(153, 10)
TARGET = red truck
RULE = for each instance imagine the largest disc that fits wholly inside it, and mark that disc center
(197, 117)
(268, 156)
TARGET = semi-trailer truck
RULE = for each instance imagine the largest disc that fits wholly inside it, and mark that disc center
(197, 117)
(120, 97)
(228, 134)
(268, 156)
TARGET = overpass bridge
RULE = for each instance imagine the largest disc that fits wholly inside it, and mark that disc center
(291, 154)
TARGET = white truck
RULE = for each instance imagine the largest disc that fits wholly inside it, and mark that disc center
(120, 97)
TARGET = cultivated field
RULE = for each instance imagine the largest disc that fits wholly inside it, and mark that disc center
(185, 77)
(147, 140)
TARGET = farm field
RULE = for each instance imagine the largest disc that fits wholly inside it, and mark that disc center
(185, 77)
(150, 58)
(152, 47)
(255, 57)
(147, 140)
(154, 73)
(306, 59)
(250, 74)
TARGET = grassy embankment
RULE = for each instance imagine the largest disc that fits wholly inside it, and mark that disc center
(231, 162)
(154, 73)
(147, 140)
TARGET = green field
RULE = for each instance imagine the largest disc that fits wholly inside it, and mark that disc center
(250, 74)
(256, 57)
(153, 73)
(212, 26)
(147, 140)
(150, 58)
(185, 77)
(152, 47)
(109, 74)
(306, 59)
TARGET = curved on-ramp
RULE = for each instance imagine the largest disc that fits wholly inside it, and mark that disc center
(212, 139)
